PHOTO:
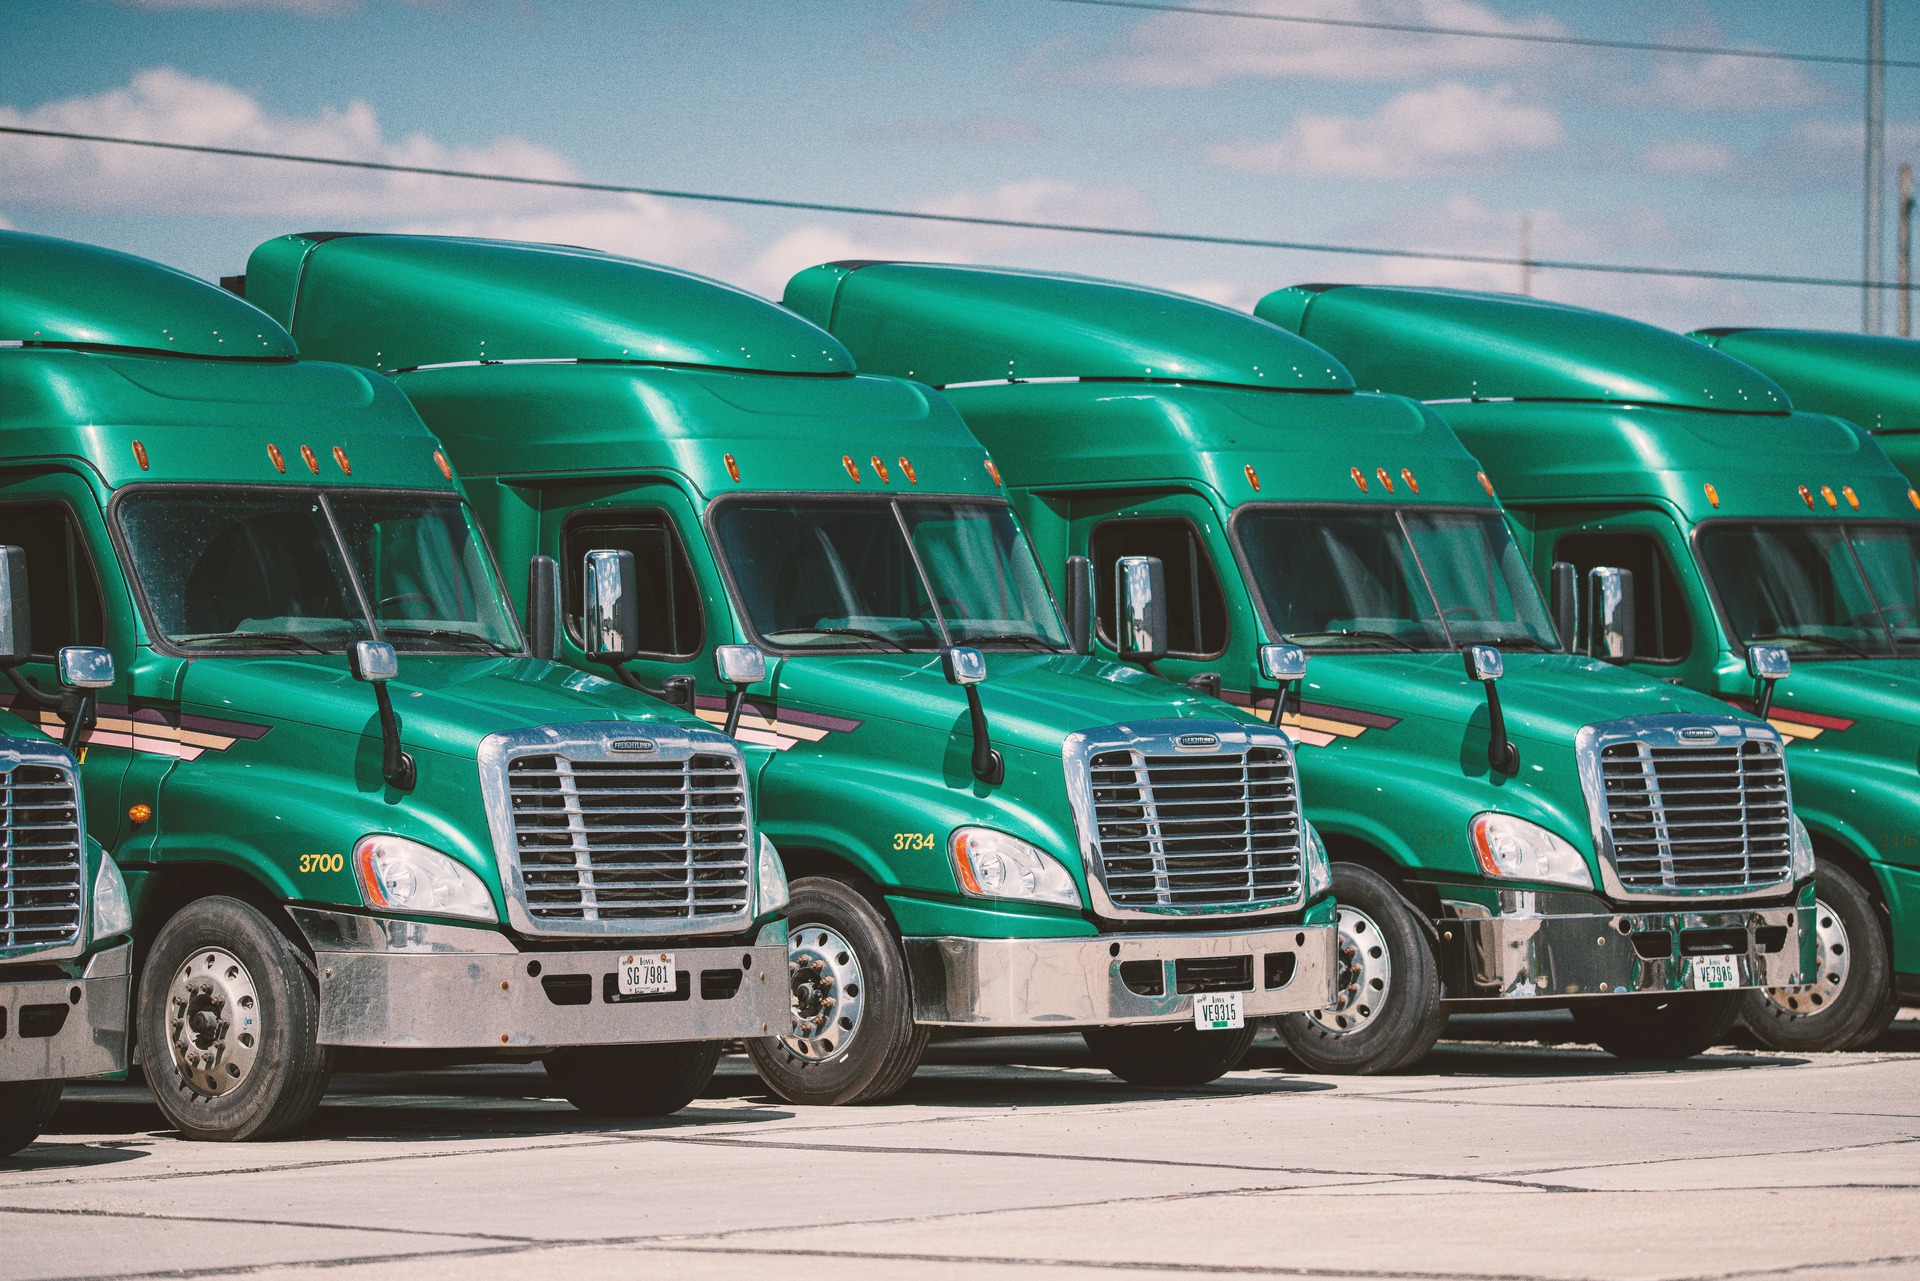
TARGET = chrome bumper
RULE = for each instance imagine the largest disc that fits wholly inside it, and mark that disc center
(407, 985)
(1556, 945)
(60, 1029)
(1108, 979)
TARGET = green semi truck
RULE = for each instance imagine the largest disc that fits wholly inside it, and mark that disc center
(987, 831)
(1745, 525)
(353, 812)
(1485, 795)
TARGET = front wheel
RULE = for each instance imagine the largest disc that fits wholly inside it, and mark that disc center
(1851, 998)
(853, 1038)
(633, 1080)
(1386, 1012)
(1666, 1026)
(1168, 1054)
(229, 1013)
(25, 1109)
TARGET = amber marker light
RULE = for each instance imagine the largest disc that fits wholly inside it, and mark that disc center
(1253, 478)
(1913, 496)
(1853, 499)
(306, 456)
(1406, 474)
(733, 468)
(139, 813)
(1826, 492)
(278, 459)
(880, 469)
(993, 471)
(140, 454)
(446, 468)
(1806, 495)
(853, 468)
(1713, 495)
(340, 457)
(1485, 483)
(906, 469)
(1386, 481)
(1358, 478)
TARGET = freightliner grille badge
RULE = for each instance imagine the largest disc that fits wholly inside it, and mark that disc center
(633, 745)
(1197, 742)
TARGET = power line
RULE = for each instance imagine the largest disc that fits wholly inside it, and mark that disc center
(1586, 42)
(916, 215)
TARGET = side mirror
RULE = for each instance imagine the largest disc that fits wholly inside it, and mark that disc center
(1283, 663)
(1484, 662)
(16, 620)
(963, 664)
(1140, 597)
(1563, 598)
(1610, 614)
(967, 667)
(611, 606)
(376, 663)
(86, 667)
(1079, 604)
(543, 606)
(370, 661)
(1768, 665)
(739, 664)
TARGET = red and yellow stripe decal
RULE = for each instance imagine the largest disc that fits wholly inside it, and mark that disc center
(1315, 724)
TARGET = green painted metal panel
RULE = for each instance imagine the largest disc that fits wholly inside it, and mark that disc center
(1447, 344)
(944, 325)
(60, 292)
(1872, 379)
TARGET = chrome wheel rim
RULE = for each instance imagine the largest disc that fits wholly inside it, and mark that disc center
(213, 1022)
(1835, 960)
(828, 992)
(1364, 975)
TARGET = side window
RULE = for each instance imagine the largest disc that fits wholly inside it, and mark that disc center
(670, 624)
(62, 592)
(1196, 609)
(1661, 631)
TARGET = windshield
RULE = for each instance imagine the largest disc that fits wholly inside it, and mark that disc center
(1382, 579)
(1823, 589)
(884, 575)
(252, 569)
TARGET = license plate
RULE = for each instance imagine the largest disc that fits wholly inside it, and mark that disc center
(1218, 1011)
(645, 975)
(1715, 971)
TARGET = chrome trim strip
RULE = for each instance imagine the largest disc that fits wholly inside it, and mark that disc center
(15, 752)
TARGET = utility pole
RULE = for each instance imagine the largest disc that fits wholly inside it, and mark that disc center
(1874, 249)
(1905, 237)
(1526, 255)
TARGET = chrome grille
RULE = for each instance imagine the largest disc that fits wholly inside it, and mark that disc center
(649, 843)
(1187, 831)
(42, 863)
(1713, 816)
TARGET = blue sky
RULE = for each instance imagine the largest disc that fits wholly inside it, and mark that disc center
(1023, 108)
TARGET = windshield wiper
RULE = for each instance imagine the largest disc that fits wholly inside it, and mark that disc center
(1834, 641)
(1010, 638)
(445, 633)
(264, 638)
(840, 631)
(1360, 632)
(1517, 640)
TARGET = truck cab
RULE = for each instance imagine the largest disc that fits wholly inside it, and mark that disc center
(353, 812)
(1482, 791)
(989, 832)
(1746, 526)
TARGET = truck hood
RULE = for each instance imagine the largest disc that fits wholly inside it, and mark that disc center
(1871, 705)
(446, 703)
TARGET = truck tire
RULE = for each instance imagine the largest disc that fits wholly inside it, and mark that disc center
(227, 1015)
(1387, 1012)
(853, 1039)
(633, 1080)
(1162, 1055)
(25, 1109)
(1851, 1000)
(1660, 1025)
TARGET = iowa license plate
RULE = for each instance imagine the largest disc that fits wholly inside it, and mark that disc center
(1715, 971)
(646, 975)
(1219, 1011)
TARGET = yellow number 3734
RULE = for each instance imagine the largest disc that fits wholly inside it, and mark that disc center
(913, 840)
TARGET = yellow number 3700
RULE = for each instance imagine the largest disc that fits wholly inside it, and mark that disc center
(322, 862)
(913, 840)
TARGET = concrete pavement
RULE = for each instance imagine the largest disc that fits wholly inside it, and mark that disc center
(1020, 1159)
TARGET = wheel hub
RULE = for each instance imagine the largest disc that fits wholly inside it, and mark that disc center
(1835, 961)
(828, 993)
(1362, 977)
(213, 1022)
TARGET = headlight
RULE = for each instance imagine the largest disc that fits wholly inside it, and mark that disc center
(774, 895)
(406, 876)
(112, 909)
(992, 864)
(1515, 849)
(1319, 866)
(1803, 860)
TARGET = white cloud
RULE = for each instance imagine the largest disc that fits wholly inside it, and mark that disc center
(1189, 50)
(1450, 128)
(1717, 82)
(1681, 157)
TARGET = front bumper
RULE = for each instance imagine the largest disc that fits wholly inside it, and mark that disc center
(60, 1029)
(408, 985)
(1110, 978)
(1543, 944)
